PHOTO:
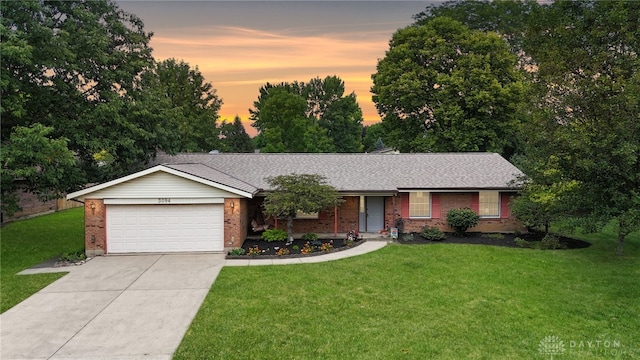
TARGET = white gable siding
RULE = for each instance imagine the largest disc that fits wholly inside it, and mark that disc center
(160, 185)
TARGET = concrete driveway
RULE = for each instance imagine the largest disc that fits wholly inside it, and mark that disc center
(113, 307)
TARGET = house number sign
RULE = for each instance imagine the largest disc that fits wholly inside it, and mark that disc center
(164, 201)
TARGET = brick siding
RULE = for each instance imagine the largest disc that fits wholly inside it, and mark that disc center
(95, 229)
(236, 222)
(347, 219)
(450, 201)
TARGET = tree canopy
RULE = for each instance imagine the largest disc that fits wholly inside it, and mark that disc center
(235, 137)
(588, 107)
(581, 136)
(74, 67)
(307, 193)
(318, 110)
(444, 87)
(193, 106)
(81, 75)
(41, 163)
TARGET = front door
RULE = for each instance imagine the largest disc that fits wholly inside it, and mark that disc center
(374, 213)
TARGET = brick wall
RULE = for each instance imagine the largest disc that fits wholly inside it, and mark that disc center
(457, 201)
(235, 222)
(95, 231)
(450, 201)
(392, 211)
(347, 219)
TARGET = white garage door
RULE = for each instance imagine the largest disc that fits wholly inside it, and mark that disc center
(164, 228)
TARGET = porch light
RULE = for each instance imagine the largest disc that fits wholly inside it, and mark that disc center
(93, 208)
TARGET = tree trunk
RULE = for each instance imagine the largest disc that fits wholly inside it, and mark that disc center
(619, 249)
(290, 229)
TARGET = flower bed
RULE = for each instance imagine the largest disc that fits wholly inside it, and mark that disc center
(254, 248)
(492, 239)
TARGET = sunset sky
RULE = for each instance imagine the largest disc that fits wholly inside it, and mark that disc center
(241, 45)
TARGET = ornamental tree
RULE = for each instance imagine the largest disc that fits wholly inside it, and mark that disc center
(306, 193)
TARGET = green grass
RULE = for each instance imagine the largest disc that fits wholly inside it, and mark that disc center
(443, 301)
(26, 243)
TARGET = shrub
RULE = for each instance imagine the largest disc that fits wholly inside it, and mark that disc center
(237, 251)
(551, 242)
(310, 237)
(462, 219)
(296, 247)
(274, 235)
(432, 233)
(283, 251)
(73, 256)
(522, 242)
(407, 237)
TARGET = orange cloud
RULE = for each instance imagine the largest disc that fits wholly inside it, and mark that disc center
(238, 60)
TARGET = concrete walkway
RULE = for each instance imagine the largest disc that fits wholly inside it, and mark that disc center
(122, 307)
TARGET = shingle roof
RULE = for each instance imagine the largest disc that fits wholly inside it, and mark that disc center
(353, 172)
(214, 175)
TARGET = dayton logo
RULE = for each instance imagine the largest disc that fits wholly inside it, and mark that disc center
(551, 345)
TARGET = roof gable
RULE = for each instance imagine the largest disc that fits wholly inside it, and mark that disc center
(160, 181)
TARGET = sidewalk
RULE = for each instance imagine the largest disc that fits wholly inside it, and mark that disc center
(366, 247)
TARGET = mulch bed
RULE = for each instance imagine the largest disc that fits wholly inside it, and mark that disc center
(485, 239)
(270, 249)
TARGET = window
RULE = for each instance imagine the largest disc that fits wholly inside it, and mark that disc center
(419, 204)
(303, 215)
(489, 204)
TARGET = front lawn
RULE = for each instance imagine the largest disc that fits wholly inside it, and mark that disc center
(26, 243)
(441, 301)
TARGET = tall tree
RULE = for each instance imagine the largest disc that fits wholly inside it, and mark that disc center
(443, 87)
(235, 137)
(342, 120)
(588, 107)
(193, 106)
(582, 138)
(320, 94)
(374, 137)
(283, 121)
(338, 116)
(75, 67)
(509, 18)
